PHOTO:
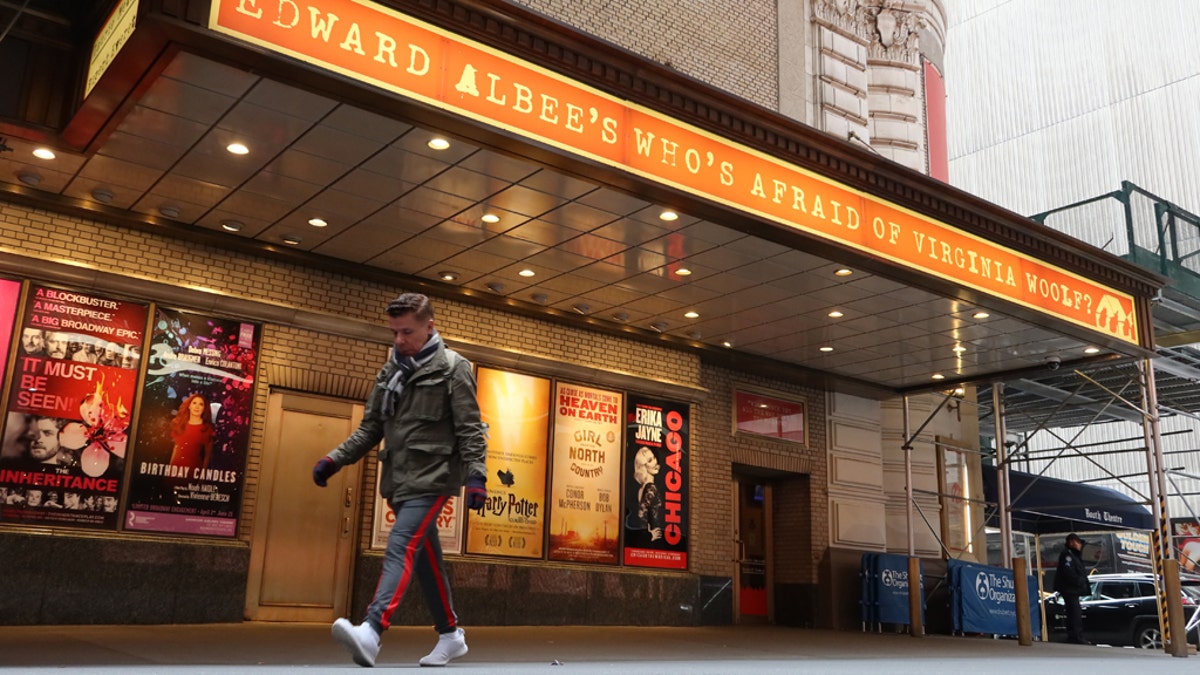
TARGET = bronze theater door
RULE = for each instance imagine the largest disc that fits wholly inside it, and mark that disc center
(302, 550)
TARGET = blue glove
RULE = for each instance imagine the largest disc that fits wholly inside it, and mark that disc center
(476, 493)
(323, 470)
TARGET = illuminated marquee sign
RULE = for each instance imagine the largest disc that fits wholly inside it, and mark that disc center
(112, 37)
(387, 49)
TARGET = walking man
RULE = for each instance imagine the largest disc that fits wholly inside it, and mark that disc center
(423, 408)
(1071, 581)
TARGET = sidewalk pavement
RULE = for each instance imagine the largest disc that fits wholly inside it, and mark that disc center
(266, 648)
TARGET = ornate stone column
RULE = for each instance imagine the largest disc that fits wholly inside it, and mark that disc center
(841, 34)
(870, 83)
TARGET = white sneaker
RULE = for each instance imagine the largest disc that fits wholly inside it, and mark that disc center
(361, 641)
(450, 646)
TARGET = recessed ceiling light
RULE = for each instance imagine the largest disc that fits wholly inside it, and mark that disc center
(448, 275)
(620, 316)
(232, 225)
(438, 143)
(844, 272)
(540, 298)
(668, 215)
(836, 314)
(726, 343)
(695, 335)
(825, 349)
(490, 218)
(692, 314)
(939, 376)
(317, 222)
(683, 272)
(959, 349)
(659, 326)
(43, 153)
(495, 286)
(1092, 350)
(980, 315)
(102, 195)
(169, 211)
(291, 240)
(237, 148)
(526, 273)
(581, 308)
(29, 178)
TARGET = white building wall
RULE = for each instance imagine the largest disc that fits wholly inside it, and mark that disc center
(1051, 103)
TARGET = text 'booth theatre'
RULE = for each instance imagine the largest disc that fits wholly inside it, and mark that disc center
(725, 323)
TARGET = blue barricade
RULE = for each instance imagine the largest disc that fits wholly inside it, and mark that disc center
(884, 589)
(983, 599)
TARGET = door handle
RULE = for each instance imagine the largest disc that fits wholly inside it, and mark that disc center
(349, 497)
(345, 526)
(741, 550)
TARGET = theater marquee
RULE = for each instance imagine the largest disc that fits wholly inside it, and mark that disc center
(384, 48)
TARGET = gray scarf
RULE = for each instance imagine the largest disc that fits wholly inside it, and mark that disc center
(406, 366)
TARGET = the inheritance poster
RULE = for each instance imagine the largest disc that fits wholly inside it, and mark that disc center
(657, 437)
(67, 425)
(194, 425)
(585, 491)
(516, 409)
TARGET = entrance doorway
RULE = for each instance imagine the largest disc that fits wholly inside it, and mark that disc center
(752, 536)
(302, 549)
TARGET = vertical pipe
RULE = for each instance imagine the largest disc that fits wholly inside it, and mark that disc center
(915, 601)
(1169, 600)
(1021, 586)
(1037, 544)
(1178, 646)
(1002, 473)
(908, 486)
(1150, 432)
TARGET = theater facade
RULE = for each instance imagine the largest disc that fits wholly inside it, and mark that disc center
(206, 204)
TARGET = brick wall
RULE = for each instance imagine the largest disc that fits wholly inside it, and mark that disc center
(729, 45)
(309, 360)
(801, 523)
(141, 254)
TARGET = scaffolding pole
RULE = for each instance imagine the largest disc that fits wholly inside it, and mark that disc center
(1002, 475)
(908, 486)
(1165, 567)
(915, 626)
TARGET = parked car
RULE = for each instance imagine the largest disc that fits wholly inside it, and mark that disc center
(1121, 609)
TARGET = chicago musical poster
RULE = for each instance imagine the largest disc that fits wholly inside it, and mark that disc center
(657, 464)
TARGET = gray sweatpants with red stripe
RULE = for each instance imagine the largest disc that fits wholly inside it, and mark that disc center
(414, 549)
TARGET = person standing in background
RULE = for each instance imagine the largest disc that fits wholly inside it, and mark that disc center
(1071, 582)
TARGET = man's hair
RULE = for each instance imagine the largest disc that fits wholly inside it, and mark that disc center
(411, 303)
(34, 419)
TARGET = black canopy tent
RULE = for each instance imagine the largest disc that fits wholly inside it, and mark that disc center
(1042, 505)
